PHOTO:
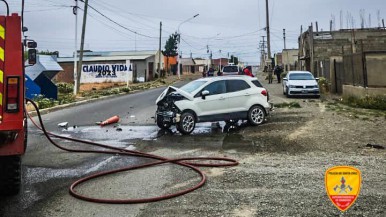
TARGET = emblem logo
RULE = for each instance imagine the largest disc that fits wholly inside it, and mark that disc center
(343, 184)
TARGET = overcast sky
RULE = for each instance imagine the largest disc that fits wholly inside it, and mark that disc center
(234, 27)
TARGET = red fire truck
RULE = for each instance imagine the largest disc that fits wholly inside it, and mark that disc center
(13, 123)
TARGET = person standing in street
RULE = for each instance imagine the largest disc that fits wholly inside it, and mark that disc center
(270, 72)
(278, 70)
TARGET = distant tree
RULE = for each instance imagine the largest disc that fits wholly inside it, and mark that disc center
(234, 60)
(47, 52)
(170, 49)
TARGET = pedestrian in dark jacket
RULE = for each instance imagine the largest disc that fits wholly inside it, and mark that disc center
(278, 70)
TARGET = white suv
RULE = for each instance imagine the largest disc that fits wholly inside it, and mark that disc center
(230, 70)
(212, 99)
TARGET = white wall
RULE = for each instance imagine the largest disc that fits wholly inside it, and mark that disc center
(101, 73)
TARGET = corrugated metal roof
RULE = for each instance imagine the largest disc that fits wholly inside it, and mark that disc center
(187, 62)
(111, 55)
(120, 53)
(104, 58)
(44, 64)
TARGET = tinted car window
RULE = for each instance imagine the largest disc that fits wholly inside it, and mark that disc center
(301, 76)
(217, 87)
(257, 83)
(237, 85)
(230, 69)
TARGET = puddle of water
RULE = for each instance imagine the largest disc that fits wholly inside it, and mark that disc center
(112, 133)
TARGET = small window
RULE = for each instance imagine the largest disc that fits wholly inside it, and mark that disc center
(257, 83)
(237, 85)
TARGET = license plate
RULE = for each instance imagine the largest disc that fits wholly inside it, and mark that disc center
(304, 91)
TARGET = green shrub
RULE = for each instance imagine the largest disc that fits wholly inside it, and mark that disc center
(66, 98)
(324, 85)
(115, 91)
(125, 89)
(44, 102)
(368, 102)
(65, 88)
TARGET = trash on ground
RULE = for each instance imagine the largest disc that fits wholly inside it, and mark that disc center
(375, 146)
(63, 124)
(111, 120)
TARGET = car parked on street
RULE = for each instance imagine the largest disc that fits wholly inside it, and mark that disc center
(230, 70)
(222, 98)
(300, 83)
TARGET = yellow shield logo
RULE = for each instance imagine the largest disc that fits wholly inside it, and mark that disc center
(343, 184)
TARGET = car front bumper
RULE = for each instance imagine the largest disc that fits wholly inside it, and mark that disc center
(304, 92)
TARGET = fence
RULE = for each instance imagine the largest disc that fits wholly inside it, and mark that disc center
(366, 69)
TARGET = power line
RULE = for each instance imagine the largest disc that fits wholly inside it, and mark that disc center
(118, 24)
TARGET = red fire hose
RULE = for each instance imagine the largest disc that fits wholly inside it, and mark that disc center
(185, 162)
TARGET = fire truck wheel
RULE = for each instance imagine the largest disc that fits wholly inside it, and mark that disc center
(10, 175)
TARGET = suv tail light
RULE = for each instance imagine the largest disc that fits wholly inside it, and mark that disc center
(12, 94)
(265, 93)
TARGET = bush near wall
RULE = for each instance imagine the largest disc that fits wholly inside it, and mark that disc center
(368, 102)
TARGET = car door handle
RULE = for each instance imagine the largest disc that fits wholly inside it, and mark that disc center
(246, 94)
(222, 98)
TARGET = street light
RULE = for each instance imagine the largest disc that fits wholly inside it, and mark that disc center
(179, 40)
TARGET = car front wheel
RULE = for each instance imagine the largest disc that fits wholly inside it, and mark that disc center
(187, 123)
(256, 115)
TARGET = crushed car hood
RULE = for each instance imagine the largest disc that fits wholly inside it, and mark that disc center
(171, 89)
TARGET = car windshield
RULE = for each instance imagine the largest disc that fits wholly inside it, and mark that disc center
(230, 69)
(301, 76)
(192, 86)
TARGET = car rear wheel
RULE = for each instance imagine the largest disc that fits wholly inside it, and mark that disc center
(187, 123)
(10, 175)
(256, 115)
(162, 124)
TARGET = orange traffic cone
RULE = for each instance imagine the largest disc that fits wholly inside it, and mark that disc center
(111, 120)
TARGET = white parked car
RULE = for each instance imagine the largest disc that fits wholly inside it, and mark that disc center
(222, 98)
(300, 83)
(230, 70)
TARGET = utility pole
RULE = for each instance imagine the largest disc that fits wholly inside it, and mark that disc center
(220, 61)
(285, 47)
(159, 49)
(79, 72)
(75, 11)
(264, 61)
(268, 34)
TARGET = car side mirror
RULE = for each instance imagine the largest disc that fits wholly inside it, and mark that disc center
(204, 94)
(285, 79)
(317, 79)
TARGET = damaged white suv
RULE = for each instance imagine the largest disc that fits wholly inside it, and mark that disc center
(222, 98)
